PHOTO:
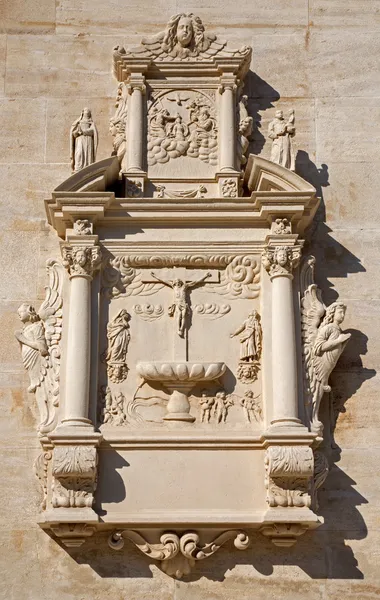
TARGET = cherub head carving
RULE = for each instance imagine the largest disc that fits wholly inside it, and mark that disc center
(184, 36)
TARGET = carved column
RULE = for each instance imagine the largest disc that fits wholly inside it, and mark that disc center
(135, 136)
(81, 258)
(227, 127)
(279, 262)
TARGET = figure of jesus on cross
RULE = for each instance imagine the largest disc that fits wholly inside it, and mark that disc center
(180, 307)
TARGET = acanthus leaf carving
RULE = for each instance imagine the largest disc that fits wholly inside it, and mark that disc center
(40, 467)
(40, 341)
(289, 470)
(179, 552)
(74, 473)
(323, 342)
(118, 123)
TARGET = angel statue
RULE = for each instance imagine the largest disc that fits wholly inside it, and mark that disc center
(83, 141)
(323, 343)
(40, 347)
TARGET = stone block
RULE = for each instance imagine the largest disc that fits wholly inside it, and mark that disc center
(61, 114)
(22, 200)
(18, 270)
(60, 66)
(34, 16)
(3, 52)
(17, 469)
(260, 16)
(345, 15)
(113, 17)
(22, 124)
(18, 410)
(348, 129)
(24, 582)
(351, 194)
(274, 60)
(358, 426)
(343, 64)
(347, 264)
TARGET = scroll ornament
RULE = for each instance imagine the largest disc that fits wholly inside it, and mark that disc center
(289, 470)
(179, 553)
(323, 342)
(40, 341)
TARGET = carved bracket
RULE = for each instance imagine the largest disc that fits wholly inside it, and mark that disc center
(74, 476)
(178, 553)
(288, 473)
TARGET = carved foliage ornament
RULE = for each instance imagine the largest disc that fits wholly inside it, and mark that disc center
(289, 470)
(178, 553)
(74, 476)
(323, 342)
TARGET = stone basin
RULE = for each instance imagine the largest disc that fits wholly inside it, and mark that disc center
(179, 378)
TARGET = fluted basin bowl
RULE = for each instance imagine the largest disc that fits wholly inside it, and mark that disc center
(180, 371)
(180, 378)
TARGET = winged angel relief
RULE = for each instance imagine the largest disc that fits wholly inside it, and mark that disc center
(40, 346)
(323, 342)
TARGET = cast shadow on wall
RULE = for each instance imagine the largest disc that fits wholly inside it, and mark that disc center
(324, 553)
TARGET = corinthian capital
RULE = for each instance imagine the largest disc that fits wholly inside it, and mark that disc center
(280, 260)
(81, 261)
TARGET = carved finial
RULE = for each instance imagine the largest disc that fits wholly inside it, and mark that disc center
(81, 261)
(280, 260)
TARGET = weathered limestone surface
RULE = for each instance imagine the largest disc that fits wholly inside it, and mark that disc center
(318, 57)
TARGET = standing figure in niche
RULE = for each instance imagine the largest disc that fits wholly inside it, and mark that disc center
(180, 307)
(118, 340)
(83, 141)
(281, 133)
(250, 341)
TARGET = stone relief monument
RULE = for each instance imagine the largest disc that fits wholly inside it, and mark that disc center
(170, 339)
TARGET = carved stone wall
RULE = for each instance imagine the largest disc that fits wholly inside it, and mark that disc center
(318, 59)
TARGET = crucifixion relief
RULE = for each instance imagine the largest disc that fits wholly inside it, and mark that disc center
(180, 307)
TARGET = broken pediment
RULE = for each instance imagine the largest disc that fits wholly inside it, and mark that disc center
(168, 357)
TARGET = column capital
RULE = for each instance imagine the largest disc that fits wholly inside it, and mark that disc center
(80, 260)
(279, 261)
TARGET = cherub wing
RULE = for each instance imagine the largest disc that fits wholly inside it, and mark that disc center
(312, 313)
(50, 312)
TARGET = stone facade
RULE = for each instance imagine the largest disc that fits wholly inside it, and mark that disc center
(311, 57)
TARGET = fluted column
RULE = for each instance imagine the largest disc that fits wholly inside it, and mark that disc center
(81, 260)
(135, 136)
(227, 127)
(279, 262)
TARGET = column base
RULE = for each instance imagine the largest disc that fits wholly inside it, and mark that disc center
(285, 423)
